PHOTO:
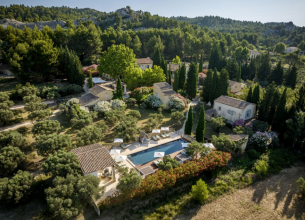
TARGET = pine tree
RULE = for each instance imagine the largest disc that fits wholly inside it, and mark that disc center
(201, 64)
(214, 88)
(182, 76)
(189, 122)
(223, 82)
(280, 115)
(238, 76)
(249, 96)
(264, 69)
(215, 60)
(200, 130)
(207, 83)
(90, 82)
(277, 74)
(118, 93)
(157, 58)
(176, 80)
(191, 81)
(255, 95)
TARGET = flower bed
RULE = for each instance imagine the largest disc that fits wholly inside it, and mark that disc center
(164, 179)
(91, 69)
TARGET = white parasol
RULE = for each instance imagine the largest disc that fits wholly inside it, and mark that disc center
(159, 154)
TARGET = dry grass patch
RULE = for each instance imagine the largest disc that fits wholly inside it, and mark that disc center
(273, 198)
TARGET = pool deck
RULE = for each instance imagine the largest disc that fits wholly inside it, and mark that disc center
(137, 146)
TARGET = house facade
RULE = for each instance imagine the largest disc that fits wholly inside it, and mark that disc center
(233, 109)
(144, 63)
(253, 54)
(164, 92)
(290, 49)
(234, 86)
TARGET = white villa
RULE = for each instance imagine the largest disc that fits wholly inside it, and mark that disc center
(233, 109)
(253, 54)
(290, 49)
(144, 63)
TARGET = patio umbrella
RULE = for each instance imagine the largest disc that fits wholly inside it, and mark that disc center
(120, 158)
(118, 140)
(159, 154)
(115, 152)
(164, 128)
(184, 145)
(156, 131)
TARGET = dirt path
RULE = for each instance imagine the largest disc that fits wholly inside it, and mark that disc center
(273, 198)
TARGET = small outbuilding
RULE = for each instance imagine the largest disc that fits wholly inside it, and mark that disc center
(241, 140)
(210, 113)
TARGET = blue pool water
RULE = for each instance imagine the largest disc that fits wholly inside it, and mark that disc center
(146, 156)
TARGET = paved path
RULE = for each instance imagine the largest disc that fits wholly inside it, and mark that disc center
(22, 106)
(192, 103)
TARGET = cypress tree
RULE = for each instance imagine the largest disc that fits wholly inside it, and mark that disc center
(169, 75)
(255, 95)
(182, 76)
(90, 82)
(292, 76)
(214, 87)
(265, 104)
(176, 80)
(207, 83)
(201, 64)
(118, 93)
(252, 69)
(157, 58)
(189, 122)
(200, 130)
(277, 74)
(165, 69)
(77, 75)
(300, 102)
(273, 106)
(280, 115)
(249, 96)
(264, 69)
(191, 81)
(238, 76)
(223, 83)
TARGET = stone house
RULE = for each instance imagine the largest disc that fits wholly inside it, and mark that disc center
(254, 53)
(210, 113)
(240, 139)
(144, 63)
(164, 92)
(234, 86)
(88, 100)
(233, 109)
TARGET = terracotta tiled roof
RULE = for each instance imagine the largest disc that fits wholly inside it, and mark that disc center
(236, 137)
(236, 103)
(85, 99)
(96, 89)
(169, 92)
(144, 61)
(164, 86)
(93, 157)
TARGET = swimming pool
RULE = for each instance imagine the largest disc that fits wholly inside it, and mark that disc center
(146, 156)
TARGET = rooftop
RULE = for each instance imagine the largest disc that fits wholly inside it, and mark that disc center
(254, 52)
(236, 137)
(210, 111)
(144, 61)
(87, 98)
(236, 103)
(164, 86)
(169, 92)
(231, 83)
(174, 67)
(93, 157)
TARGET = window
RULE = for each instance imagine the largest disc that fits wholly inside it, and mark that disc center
(248, 113)
(230, 112)
(147, 66)
(219, 108)
(157, 95)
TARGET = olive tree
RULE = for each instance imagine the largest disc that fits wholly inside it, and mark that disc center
(46, 127)
(91, 135)
(129, 181)
(11, 138)
(48, 144)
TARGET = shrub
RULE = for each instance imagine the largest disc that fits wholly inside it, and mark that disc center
(13, 190)
(10, 159)
(200, 191)
(140, 94)
(131, 102)
(168, 163)
(129, 181)
(261, 140)
(117, 104)
(239, 122)
(217, 123)
(134, 113)
(91, 135)
(301, 185)
(176, 103)
(153, 102)
(48, 144)
(238, 130)
(102, 107)
(261, 168)
(223, 143)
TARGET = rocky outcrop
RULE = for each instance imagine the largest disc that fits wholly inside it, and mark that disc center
(17, 24)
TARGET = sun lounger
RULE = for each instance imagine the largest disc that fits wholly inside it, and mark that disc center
(163, 135)
(157, 136)
(123, 146)
(156, 162)
(154, 138)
